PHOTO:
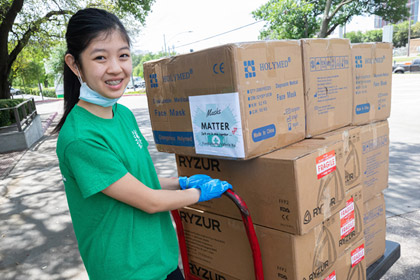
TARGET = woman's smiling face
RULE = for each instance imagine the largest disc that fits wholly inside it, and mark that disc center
(106, 64)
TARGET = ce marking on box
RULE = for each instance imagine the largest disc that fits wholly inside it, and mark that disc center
(219, 68)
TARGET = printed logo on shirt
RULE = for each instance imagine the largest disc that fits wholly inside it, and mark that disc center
(137, 138)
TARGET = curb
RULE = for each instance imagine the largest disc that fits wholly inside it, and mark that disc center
(49, 121)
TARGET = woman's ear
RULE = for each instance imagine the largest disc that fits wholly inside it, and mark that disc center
(71, 63)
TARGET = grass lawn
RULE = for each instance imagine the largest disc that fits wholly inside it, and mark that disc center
(135, 92)
(399, 59)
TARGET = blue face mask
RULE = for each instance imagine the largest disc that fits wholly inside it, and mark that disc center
(91, 96)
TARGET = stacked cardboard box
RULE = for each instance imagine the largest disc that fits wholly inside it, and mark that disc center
(240, 112)
(327, 84)
(218, 245)
(235, 101)
(372, 73)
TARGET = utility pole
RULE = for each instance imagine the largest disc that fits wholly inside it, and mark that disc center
(409, 35)
(164, 43)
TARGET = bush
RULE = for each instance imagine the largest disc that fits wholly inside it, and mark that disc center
(7, 117)
(47, 92)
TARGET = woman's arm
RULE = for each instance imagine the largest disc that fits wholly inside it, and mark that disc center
(169, 183)
(133, 192)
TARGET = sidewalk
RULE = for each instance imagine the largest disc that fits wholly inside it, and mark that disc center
(36, 235)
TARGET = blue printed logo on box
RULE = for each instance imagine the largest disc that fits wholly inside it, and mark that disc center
(153, 80)
(358, 61)
(249, 67)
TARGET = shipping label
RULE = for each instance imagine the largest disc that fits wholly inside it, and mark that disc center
(325, 164)
(357, 255)
(331, 276)
(347, 218)
(217, 126)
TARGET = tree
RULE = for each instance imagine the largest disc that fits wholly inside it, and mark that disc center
(288, 19)
(22, 21)
(354, 36)
(373, 36)
(138, 61)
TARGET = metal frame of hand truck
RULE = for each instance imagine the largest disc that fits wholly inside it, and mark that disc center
(250, 232)
(374, 271)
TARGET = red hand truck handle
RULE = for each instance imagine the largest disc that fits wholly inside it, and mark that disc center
(250, 232)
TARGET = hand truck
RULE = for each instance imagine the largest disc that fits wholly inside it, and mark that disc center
(374, 272)
(250, 232)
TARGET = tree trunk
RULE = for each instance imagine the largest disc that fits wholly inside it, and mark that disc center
(8, 18)
(325, 20)
(4, 82)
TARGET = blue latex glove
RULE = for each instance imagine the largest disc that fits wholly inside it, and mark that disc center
(213, 189)
(193, 181)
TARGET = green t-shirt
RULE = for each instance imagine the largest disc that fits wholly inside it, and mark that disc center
(116, 241)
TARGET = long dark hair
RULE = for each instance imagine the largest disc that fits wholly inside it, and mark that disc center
(83, 27)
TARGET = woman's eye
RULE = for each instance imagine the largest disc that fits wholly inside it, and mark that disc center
(125, 55)
(100, 57)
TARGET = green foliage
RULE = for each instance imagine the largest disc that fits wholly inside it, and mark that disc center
(399, 39)
(47, 92)
(138, 61)
(287, 19)
(373, 35)
(55, 61)
(355, 36)
(43, 24)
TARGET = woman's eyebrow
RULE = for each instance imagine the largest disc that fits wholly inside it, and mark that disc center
(104, 50)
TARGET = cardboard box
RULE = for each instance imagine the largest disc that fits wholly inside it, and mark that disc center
(234, 101)
(218, 245)
(352, 150)
(374, 221)
(351, 265)
(372, 79)
(284, 189)
(375, 158)
(327, 84)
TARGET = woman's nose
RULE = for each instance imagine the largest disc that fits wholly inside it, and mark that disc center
(114, 67)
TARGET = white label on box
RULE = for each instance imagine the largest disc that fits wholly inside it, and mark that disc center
(347, 218)
(357, 255)
(217, 126)
(332, 276)
(325, 164)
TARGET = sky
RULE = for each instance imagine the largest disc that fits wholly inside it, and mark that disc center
(182, 22)
(186, 24)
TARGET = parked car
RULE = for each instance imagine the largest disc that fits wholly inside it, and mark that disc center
(413, 67)
(140, 85)
(14, 91)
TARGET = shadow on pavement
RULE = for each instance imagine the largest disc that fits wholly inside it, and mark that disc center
(36, 235)
(403, 193)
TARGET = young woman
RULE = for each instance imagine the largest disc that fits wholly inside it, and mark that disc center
(118, 205)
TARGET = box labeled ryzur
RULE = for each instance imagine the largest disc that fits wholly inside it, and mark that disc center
(218, 247)
(375, 158)
(351, 265)
(327, 84)
(372, 82)
(374, 221)
(352, 150)
(292, 189)
(234, 101)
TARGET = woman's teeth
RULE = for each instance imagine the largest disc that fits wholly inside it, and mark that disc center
(113, 83)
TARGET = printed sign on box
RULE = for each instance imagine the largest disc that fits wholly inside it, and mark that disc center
(217, 127)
